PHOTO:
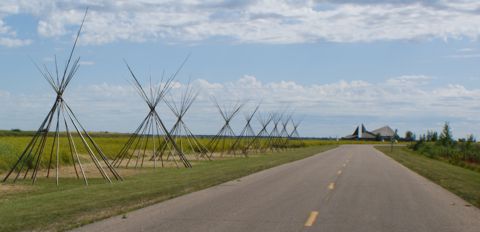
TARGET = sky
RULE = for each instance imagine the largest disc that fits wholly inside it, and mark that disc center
(333, 65)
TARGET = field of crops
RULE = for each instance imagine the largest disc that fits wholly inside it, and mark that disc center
(11, 148)
(12, 145)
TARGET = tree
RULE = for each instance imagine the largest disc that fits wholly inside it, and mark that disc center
(409, 136)
(471, 139)
(432, 136)
(446, 136)
(394, 139)
(423, 137)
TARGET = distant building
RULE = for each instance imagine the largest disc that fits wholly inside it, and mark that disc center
(361, 133)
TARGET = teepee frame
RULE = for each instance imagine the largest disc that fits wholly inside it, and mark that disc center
(61, 115)
(284, 134)
(247, 135)
(274, 139)
(151, 135)
(182, 135)
(223, 141)
(261, 141)
(294, 134)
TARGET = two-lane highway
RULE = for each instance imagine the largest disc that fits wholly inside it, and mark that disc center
(350, 188)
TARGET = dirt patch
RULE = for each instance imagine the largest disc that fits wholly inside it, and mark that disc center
(6, 189)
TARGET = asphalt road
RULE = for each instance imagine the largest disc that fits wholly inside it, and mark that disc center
(351, 188)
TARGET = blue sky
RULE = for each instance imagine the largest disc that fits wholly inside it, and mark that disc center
(336, 64)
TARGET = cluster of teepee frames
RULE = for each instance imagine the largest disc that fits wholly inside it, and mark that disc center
(152, 133)
(278, 138)
(151, 141)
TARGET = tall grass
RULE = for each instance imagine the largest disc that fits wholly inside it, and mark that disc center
(12, 146)
(8, 154)
(458, 153)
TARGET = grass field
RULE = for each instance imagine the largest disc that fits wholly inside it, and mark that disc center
(461, 181)
(45, 206)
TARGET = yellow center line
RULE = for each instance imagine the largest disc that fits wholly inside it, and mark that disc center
(311, 219)
(339, 172)
(331, 186)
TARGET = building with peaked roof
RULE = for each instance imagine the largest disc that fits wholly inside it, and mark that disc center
(385, 132)
(361, 133)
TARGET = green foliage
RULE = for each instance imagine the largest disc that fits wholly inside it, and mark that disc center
(465, 152)
(446, 138)
(430, 136)
(409, 136)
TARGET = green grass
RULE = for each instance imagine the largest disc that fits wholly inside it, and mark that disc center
(461, 181)
(47, 207)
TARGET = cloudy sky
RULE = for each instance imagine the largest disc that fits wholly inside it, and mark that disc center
(409, 64)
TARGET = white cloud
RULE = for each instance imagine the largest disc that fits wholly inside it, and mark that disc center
(406, 100)
(9, 42)
(465, 50)
(409, 80)
(464, 53)
(87, 62)
(262, 21)
(8, 36)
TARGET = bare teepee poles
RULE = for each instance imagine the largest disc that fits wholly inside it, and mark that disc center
(224, 139)
(274, 136)
(183, 136)
(151, 139)
(61, 115)
(294, 134)
(246, 136)
(284, 134)
(262, 136)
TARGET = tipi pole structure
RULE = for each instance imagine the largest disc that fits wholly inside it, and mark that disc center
(152, 133)
(222, 140)
(180, 132)
(60, 115)
(246, 135)
(284, 134)
(294, 135)
(274, 136)
(256, 143)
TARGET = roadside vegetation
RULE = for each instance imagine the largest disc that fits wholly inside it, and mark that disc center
(44, 206)
(464, 152)
(463, 182)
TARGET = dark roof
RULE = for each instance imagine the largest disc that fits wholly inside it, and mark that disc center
(385, 131)
(354, 135)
